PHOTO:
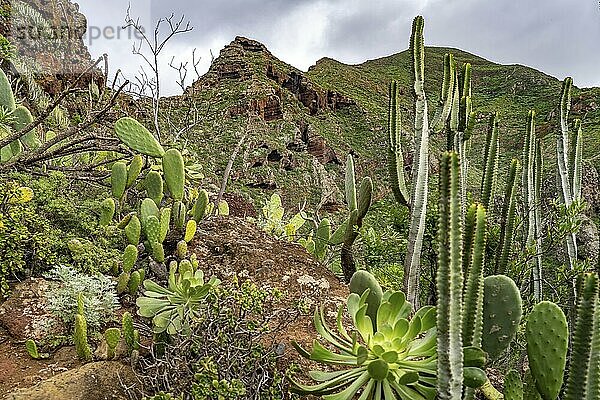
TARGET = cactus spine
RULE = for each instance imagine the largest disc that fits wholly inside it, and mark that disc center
(449, 282)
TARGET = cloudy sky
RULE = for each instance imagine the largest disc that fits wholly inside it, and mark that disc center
(559, 37)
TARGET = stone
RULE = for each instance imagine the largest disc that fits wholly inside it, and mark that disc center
(104, 380)
(25, 314)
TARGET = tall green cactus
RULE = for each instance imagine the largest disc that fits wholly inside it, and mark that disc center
(539, 230)
(565, 176)
(531, 201)
(358, 206)
(490, 163)
(395, 154)
(419, 192)
(473, 263)
(579, 366)
(507, 224)
(449, 282)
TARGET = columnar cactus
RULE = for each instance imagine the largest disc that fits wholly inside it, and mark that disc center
(507, 224)
(568, 169)
(419, 192)
(395, 155)
(449, 282)
(358, 206)
(490, 163)
(579, 366)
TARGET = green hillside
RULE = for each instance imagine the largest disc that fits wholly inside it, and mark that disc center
(247, 79)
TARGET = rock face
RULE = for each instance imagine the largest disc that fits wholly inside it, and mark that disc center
(103, 380)
(25, 314)
(58, 64)
(313, 97)
(244, 59)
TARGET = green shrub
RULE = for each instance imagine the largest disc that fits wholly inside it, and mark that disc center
(224, 355)
(99, 296)
(28, 243)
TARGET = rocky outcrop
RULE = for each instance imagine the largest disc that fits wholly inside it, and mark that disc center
(25, 314)
(58, 65)
(313, 97)
(104, 380)
(308, 140)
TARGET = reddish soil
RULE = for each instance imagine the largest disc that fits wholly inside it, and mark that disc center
(19, 370)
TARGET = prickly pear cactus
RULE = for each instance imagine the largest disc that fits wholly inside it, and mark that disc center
(178, 214)
(32, 349)
(513, 387)
(158, 252)
(134, 282)
(201, 205)
(134, 170)
(127, 328)
(123, 282)
(174, 169)
(135, 136)
(133, 230)
(362, 280)
(147, 209)
(190, 230)
(118, 179)
(107, 211)
(130, 256)
(502, 310)
(153, 184)
(80, 338)
(7, 98)
(547, 336)
(182, 249)
(165, 220)
(112, 337)
(153, 229)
